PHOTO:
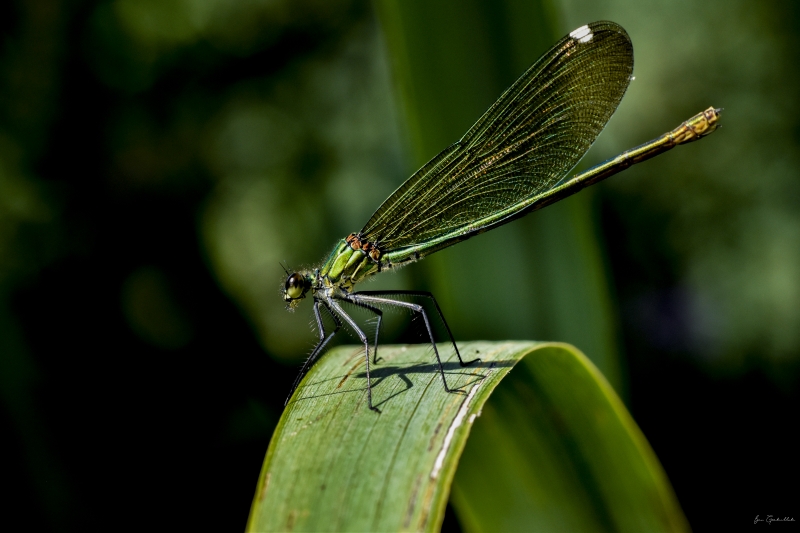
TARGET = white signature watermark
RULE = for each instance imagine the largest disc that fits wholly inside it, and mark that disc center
(770, 519)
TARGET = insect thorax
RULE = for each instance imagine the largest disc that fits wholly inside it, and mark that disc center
(350, 261)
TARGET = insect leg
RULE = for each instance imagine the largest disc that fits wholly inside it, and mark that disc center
(337, 309)
(424, 294)
(323, 341)
(360, 297)
(379, 314)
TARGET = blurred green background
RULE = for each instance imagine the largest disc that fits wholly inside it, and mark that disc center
(158, 158)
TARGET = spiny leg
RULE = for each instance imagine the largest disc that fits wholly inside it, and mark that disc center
(360, 297)
(323, 341)
(423, 294)
(379, 314)
(334, 306)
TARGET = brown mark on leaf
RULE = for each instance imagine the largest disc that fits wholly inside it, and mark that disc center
(307, 424)
(427, 502)
(425, 505)
(263, 493)
(412, 503)
(294, 514)
(433, 437)
(353, 369)
(444, 416)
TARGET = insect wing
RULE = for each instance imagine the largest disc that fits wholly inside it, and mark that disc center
(524, 144)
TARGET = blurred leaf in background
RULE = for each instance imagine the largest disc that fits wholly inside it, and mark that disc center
(158, 159)
(722, 281)
(299, 162)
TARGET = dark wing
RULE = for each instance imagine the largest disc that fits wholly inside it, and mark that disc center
(526, 142)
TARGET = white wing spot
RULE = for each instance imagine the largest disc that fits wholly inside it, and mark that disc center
(582, 35)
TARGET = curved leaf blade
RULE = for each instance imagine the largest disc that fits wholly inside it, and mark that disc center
(561, 453)
(333, 465)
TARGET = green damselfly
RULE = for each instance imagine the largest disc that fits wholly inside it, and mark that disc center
(513, 160)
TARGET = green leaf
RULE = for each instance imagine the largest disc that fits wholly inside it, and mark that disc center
(555, 448)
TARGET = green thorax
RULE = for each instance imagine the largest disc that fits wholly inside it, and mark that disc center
(345, 266)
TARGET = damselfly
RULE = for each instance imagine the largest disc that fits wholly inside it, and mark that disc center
(514, 160)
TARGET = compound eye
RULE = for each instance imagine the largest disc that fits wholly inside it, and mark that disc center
(295, 286)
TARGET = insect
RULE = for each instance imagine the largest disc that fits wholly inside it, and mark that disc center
(512, 161)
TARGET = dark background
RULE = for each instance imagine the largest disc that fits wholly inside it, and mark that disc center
(159, 158)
